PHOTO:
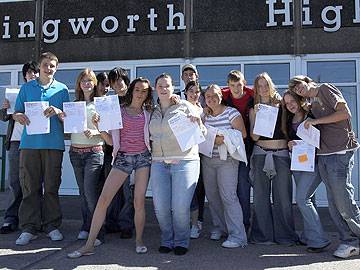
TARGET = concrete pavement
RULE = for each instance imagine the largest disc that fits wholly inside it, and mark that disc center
(117, 253)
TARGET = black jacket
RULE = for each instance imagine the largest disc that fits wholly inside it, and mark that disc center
(7, 117)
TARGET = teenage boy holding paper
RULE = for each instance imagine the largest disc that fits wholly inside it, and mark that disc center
(336, 157)
(41, 155)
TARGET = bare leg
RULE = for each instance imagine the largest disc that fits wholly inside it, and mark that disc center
(112, 184)
(141, 183)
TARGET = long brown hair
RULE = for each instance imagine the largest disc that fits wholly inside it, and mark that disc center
(148, 103)
(79, 95)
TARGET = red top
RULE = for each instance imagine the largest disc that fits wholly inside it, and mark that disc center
(242, 104)
(132, 134)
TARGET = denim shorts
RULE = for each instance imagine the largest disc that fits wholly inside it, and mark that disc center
(129, 162)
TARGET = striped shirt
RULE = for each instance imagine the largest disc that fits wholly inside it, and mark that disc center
(132, 134)
(221, 121)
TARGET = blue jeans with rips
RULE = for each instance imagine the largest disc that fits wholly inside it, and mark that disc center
(335, 171)
(173, 187)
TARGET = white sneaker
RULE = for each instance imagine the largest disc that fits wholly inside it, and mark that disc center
(25, 238)
(215, 236)
(345, 251)
(231, 244)
(194, 232)
(55, 235)
(83, 235)
(97, 242)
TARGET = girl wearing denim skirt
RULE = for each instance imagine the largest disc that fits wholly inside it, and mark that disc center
(131, 153)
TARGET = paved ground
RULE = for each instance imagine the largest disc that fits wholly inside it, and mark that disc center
(119, 254)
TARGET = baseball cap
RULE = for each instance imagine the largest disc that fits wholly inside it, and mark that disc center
(189, 66)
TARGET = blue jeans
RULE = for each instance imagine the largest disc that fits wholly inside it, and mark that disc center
(173, 187)
(306, 185)
(273, 223)
(335, 171)
(87, 169)
(15, 195)
(243, 192)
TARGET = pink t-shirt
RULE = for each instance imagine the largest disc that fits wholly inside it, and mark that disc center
(132, 134)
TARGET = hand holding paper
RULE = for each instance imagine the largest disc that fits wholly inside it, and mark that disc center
(39, 123)
(302, 157)
(108, 109)
(265, 120)
(75, 117)
(187, 133)
(11, 95)
(310, 135)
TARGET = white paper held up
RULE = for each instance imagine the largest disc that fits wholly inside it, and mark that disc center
(75, 120)
(265, 120)
(108, 108)
(187, 133)
(39, 123)
(303, 157)
(11, 95)
(206, 147)
(310, 135)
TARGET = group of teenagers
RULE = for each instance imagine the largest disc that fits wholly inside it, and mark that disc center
(146, 147)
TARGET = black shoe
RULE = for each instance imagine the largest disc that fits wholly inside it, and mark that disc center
(180, 250)
(126, 234)
(163, 249)
(8, 228)
(317, 250)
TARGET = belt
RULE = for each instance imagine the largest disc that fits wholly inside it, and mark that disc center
(95, 149)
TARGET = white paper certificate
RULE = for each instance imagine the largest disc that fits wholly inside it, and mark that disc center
(206, 147)
(39, 124)
(108, 108)
(11, 95)
(310, 135)
(75, 120)
(265, 120)
(187, 133)
(303, 157)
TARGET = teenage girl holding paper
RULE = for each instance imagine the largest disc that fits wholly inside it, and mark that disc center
(174, 173)
(131, 152)
(306, 182)
(86, 153)
(270, 172)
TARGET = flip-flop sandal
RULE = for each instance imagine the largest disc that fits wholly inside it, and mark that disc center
(141, 249)
(77, 254)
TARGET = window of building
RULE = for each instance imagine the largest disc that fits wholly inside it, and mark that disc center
(5, 78)
(152, 72)
(279, 72)
(332, 71)
(215, 74)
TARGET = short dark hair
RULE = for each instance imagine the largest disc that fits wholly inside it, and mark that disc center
(119, 73)
(31, 65)
(101, 77)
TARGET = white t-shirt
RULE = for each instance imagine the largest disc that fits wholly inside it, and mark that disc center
(17, 132)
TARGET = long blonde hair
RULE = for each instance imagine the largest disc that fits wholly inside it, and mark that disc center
(275, 98)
